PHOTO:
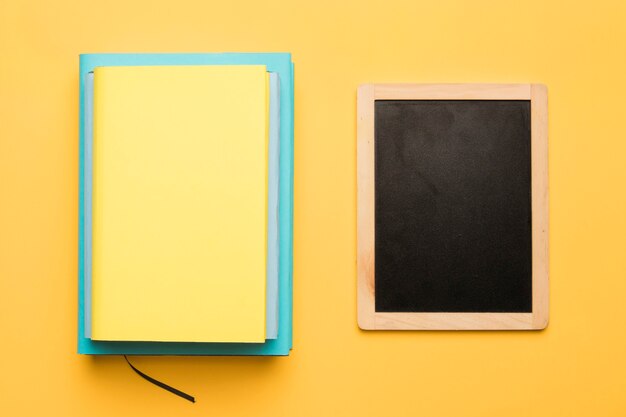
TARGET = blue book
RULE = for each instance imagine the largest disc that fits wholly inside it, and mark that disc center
(280, 258)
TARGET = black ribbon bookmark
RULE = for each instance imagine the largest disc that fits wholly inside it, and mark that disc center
(161, 384)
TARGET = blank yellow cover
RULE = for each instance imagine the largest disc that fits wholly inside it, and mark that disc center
(179, 203)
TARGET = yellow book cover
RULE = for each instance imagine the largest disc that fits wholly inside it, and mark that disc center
(179, 203)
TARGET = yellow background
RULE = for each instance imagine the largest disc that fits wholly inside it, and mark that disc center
(576, 367)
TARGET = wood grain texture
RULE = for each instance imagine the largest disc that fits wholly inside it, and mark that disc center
(540, 208)
(368, 318)
(365, 207)
(452, 91)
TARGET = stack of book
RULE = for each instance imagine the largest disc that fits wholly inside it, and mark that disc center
(186, 204)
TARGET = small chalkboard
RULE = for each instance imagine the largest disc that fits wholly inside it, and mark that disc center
(452, 207)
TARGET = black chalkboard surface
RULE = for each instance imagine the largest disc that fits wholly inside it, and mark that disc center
(452, 207)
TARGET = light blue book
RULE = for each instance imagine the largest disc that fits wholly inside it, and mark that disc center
(271, 329)
(273, 247)
(281, 65)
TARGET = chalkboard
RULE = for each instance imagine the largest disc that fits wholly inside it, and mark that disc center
(453, 215)
(454, 181)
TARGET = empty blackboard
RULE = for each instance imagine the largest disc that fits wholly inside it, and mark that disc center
(452, 212)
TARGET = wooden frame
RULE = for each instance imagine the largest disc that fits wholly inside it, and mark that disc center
(368, 318)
